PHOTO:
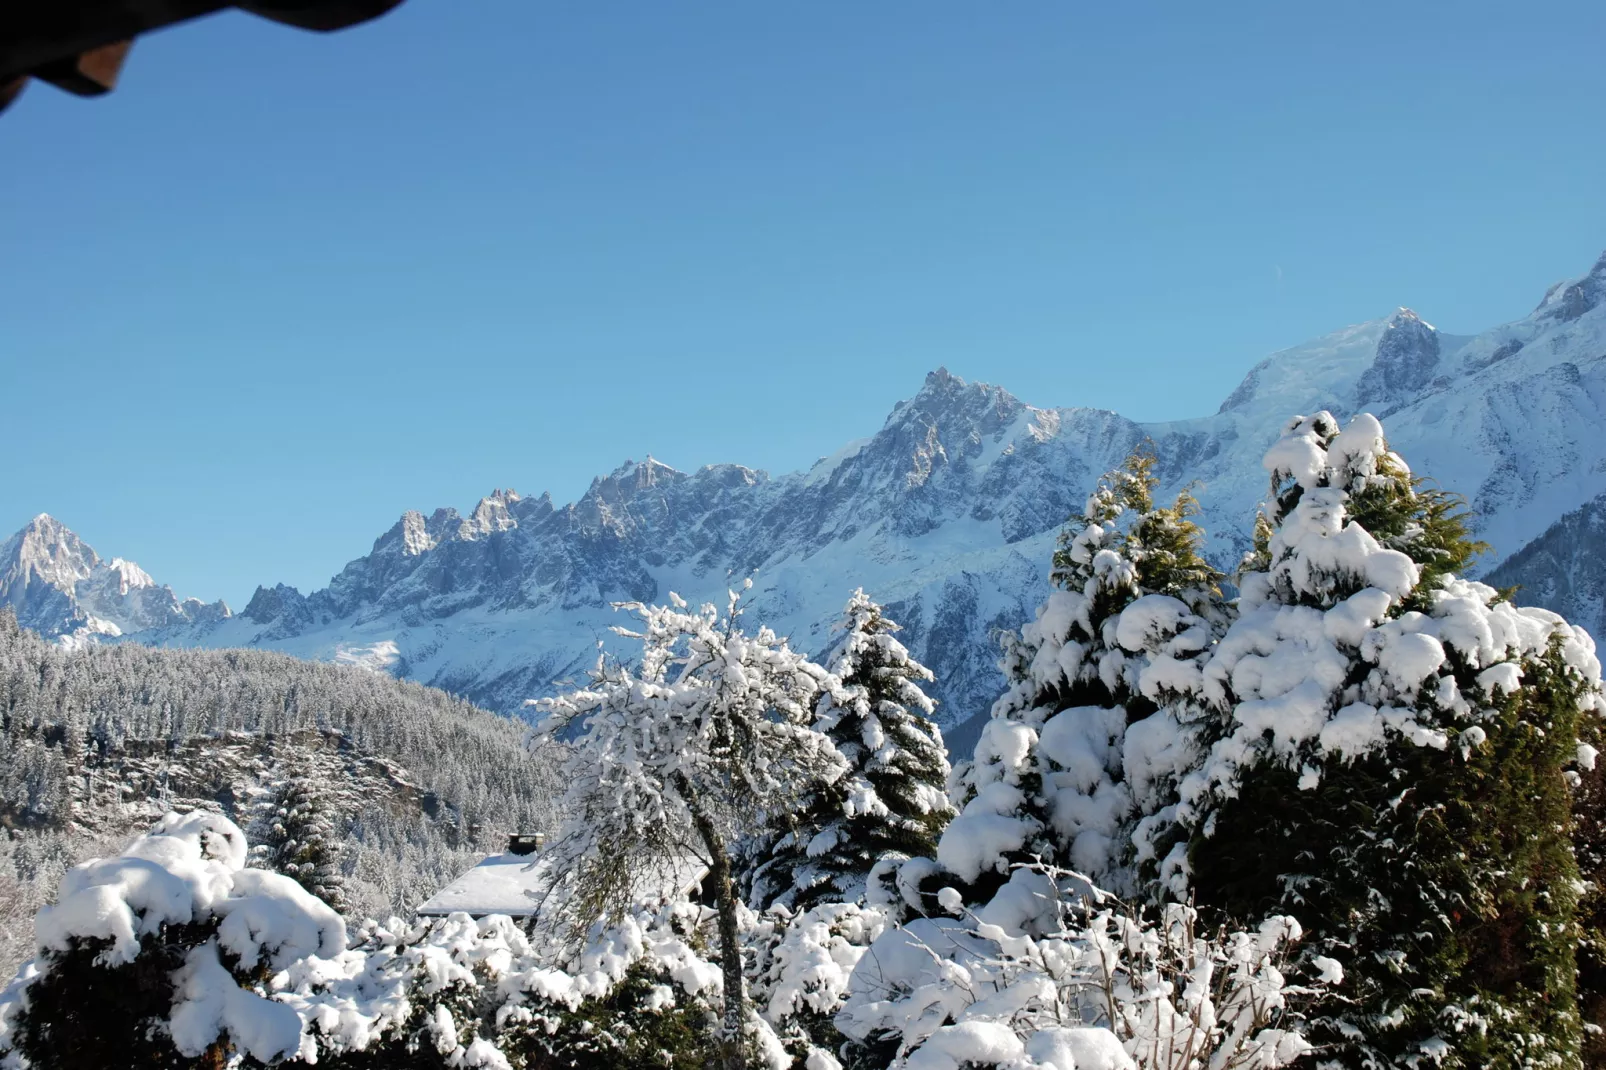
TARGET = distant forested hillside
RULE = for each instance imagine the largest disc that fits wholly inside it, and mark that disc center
(413, 783)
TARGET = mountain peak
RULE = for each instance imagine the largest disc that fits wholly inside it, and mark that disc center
(48, 549)
(1407, 359)
(129, 576)
(58, 585)
(946, 395)
(634, 475)
(1571, 298)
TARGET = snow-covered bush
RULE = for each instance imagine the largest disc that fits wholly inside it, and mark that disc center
(640, 992)
(1046, 975)
(891, 799)
(1392, 766)
(799, 968)
(164, 955)
(456, 992)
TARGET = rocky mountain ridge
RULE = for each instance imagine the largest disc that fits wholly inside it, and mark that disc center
(948, 514)
(59, 586)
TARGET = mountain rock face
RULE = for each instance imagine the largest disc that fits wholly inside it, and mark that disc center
(948, 514)
(1407, 357)
(58, 586)
(1565, 568)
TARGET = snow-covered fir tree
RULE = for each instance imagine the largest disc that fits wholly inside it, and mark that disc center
(302, 841)
(1092, 733)
(891, 802)
(1392, 767)
(671, 759)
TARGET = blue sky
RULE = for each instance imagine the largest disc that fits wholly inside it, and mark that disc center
(280, 287)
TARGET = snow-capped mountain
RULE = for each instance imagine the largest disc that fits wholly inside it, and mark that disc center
(948, 514)
(59, 586)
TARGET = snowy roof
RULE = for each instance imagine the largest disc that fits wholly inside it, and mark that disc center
(501, 884)
(512, 884)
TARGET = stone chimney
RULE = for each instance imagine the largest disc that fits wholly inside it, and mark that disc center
(525, 843)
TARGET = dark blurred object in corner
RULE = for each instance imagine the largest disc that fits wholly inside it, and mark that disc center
(79, 45)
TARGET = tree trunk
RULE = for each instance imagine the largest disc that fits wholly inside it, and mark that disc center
(730, 952)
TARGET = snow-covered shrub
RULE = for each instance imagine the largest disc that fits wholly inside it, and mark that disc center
(1047, 975)
(891, 799)
(799, 968)
(640, 992)
(163, 956)
(1392, 766)
(1096, 725)
(457, 992)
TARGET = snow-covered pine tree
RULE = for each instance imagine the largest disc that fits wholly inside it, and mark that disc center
(891, 802)
(302, 842)
(1392, 767)
(672, 757)
(1094, 729)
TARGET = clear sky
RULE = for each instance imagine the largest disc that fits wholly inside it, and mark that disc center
(279, 287)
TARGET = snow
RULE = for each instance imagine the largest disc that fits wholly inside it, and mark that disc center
(500, 884)
(1328, 971)
(382, 656)
(955, 1046)
(280, 982)
(1080, 741)
(1079, 1048)
(271, 920)
(1407, 659)
(191, 869)
(1112, 993)
(984, 832)
(209, 1003)
(177, 873)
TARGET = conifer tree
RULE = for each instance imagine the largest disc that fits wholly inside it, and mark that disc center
(1391, 767)
(1118, 643)
(892, 799)
(302, 842)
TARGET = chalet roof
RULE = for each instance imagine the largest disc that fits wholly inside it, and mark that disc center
(501, 884)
